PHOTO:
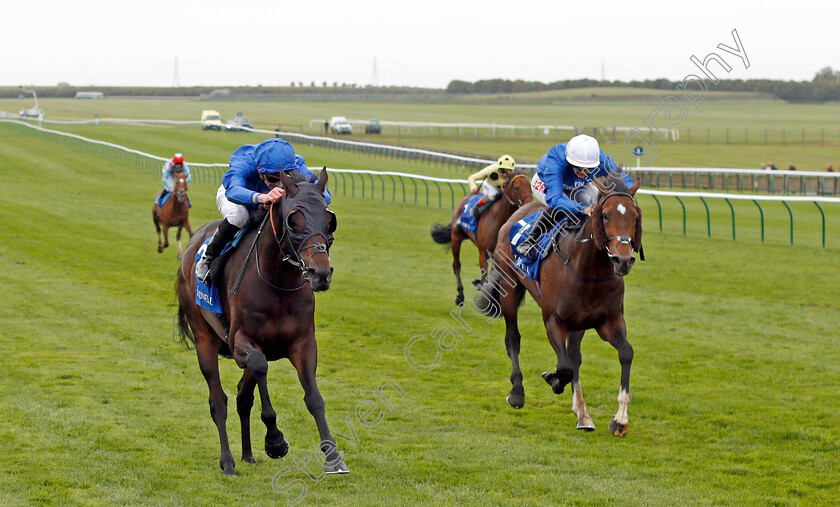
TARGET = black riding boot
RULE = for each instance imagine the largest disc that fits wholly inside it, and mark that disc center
(223, 235)
(544, 223)
(476, 211)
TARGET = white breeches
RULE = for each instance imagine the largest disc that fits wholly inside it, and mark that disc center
(490, 192)
(236, 214)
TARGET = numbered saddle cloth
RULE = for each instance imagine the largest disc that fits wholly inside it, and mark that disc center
(465, 220)
(517, 235)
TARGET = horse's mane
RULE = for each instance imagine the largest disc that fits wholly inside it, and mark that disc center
(297, 177)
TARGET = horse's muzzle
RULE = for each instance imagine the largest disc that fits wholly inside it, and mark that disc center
(622, 266)
(320, 278)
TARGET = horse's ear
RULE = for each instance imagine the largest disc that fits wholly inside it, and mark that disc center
(599, 235)
(632, 190)
(288, 184)
(322, 180)
(637, 236)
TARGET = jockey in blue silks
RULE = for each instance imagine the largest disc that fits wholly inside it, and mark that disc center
(564, 182)
(251, 181)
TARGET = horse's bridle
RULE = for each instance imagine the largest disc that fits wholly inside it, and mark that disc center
(294, 258)
(518, 203)
(622, 240)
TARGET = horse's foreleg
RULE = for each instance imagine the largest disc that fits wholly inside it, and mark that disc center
(457, 239)
(208, 360)
(510, 309)
(244, 403)
(178, 238)
(165, 237)
(156, 220)
(615, 332)
(276, 445)
(304, 357)
(564, 373)
(584, 422)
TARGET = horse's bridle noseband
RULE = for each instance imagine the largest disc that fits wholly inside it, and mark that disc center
(622, 240)
(294, 258)
(518, 203)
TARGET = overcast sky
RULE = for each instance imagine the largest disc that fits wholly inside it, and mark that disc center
(423, 43)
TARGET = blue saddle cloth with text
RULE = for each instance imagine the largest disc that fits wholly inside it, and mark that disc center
(465, 220)
(518, 232)
(208, 296)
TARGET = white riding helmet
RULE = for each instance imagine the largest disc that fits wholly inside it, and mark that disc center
(583, 151)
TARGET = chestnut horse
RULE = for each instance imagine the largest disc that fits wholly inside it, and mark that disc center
(271, 317)
(174, 212)
(581, 287)
(516, 193)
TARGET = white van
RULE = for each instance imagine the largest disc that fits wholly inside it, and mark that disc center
(211, 120)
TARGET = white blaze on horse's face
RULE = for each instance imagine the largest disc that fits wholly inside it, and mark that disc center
(621, 209)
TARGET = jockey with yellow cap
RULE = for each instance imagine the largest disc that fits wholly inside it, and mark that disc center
(495, 176)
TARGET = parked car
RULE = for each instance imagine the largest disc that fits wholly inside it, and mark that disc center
(211, 120)
(373, 127)
(238, 124)
(340, 125)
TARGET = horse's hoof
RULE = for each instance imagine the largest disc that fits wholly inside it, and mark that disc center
(459, 299)
(617, 429)
(476, 283)
(160, 249)
(515, 400)
(228, 467)
(275, 451)
(249, 459)
(336, 466)
(585, 425)
(557, 379)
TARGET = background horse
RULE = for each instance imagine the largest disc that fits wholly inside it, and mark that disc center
(271, 317)
(174, 212)
(516, 192)
(581, 287)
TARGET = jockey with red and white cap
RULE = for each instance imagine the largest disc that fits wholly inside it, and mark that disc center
(564, 182)
(172, 167)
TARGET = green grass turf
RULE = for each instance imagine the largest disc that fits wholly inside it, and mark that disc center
(702, 142)
(734, 379)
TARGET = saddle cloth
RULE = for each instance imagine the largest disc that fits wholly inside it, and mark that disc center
(165, 197)
(208, 296)
(517, 235)
(465, 220)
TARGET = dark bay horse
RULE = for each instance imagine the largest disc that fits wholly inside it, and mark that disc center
(174, 212)
(581, 287)
(271, 316)
(516, 193)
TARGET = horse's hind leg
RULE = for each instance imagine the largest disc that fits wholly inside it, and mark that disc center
(457, 238)
(208, 361)
(244, 403)
(615, 332)
(304, 357)
(276, 445)
(584, 422)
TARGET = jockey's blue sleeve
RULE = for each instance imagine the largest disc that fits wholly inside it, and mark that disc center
(167, 173)
(187, 170)
(553, 169)
(242, 180)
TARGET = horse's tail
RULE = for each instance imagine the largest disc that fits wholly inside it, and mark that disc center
(442, 234)
(183, 326)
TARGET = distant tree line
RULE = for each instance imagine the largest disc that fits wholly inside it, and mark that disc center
(824, 87)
